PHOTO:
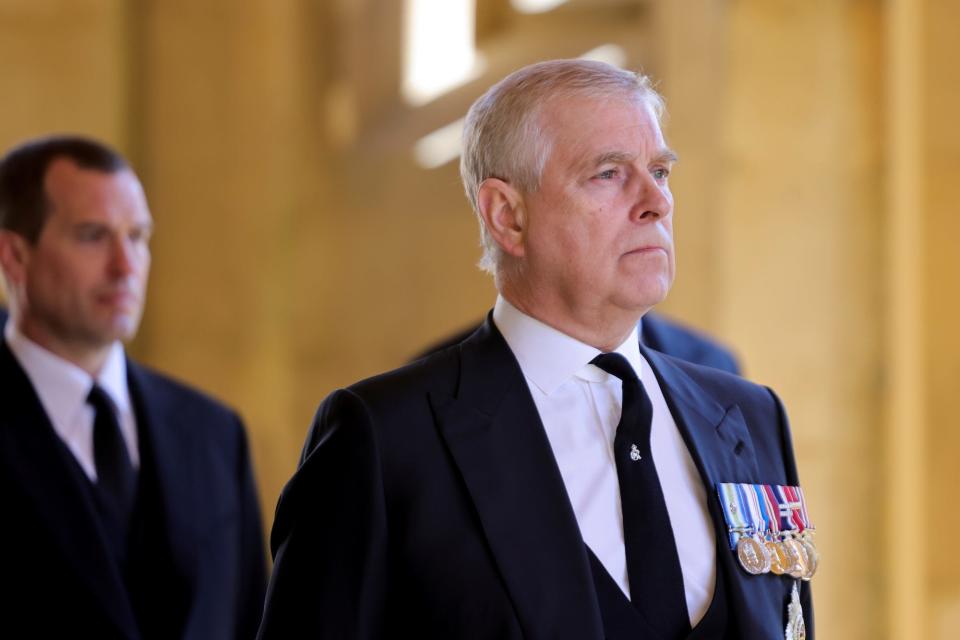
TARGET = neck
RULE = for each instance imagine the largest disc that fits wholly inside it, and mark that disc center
(602, 330)
(88, 357)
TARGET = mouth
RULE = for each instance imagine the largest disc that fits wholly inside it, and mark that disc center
(647, 250)
(120, 299)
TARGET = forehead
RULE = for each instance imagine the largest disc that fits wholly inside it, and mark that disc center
(581, 126)
(76, 193)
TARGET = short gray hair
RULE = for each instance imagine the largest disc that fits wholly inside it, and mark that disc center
(503, 137)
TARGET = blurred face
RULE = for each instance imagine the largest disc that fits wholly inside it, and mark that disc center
(82, 285)
(598, 245)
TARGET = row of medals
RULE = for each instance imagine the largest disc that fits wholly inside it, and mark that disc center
(788, 553)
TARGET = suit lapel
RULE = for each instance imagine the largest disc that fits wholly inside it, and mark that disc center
(174, 465)
(496, 438)
(53, 483)
(716, 436)
(720, 443)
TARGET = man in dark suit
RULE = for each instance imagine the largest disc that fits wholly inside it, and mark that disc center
(548, 477)
(129, 501)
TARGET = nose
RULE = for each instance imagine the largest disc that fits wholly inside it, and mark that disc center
(123, 260)
(654, 200)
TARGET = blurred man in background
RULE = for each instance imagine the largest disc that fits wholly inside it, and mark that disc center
(129, 501)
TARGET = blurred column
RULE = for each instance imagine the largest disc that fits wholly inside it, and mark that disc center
(692, 38)
(937, 174)
(229, 122)
(790, 241)
(804, 237)
(906, 409)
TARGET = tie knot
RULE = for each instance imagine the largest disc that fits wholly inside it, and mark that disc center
(99, 399)
(616, 365)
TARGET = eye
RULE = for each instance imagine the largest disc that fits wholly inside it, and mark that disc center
(660, 173)
(140, 234)
(91, 233)
(609, 174)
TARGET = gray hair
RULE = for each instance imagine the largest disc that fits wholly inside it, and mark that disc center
(504, 138)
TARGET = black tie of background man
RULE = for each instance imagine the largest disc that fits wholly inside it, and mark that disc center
(653, 566)
(116, 477)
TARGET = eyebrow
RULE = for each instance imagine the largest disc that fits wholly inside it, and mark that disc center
(665, 155)
(94, 224)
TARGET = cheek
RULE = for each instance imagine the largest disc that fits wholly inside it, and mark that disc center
(54, 274)
(143, 267)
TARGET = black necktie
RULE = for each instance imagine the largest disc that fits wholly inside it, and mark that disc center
(653, 566)
(116, 477)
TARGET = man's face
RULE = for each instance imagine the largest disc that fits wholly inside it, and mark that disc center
(83, 283)
(599, 230)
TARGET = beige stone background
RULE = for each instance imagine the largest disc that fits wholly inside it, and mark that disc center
(299, 246)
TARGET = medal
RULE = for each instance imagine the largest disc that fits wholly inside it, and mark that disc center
(779, 561)
(803, 542)
(753, 555)
(745, 508)
(813, 556)
(769, 529)
(796, 628)
(798, 556)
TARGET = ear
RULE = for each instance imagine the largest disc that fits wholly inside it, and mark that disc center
(14, 254)
(501, 207)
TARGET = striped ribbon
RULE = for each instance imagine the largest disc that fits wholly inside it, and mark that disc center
(762, 509)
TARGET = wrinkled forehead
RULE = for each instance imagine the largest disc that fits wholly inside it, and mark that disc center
(574, 123)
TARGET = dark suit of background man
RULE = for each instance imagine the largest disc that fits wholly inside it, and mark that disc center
(129, 504)
(476, 493)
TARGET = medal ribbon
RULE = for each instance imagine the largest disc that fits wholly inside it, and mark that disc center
(773, 509)
(749, 497)
(761, 497)
(798, 497)
(794, 520)
(733, 510)
(756, 509)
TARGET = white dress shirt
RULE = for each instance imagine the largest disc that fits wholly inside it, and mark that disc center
(579, 405)
(63, 388)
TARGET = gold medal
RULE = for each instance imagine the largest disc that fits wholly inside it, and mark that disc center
(796, 627)
(779, 562)
(753, 555)
(797, 553)
(813, 556)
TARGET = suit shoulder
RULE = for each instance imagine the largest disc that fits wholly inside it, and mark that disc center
(438, 371)
(721, 383)
(159, 383)
(164, 393)
(390, 402)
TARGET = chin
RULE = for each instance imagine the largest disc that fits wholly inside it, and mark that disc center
(647, 297)
(122, 329)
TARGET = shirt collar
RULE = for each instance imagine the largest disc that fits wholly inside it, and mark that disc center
(62, 386)
(549, 357)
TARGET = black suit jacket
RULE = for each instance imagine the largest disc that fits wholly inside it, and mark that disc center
(59, 579)
(428, 504)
